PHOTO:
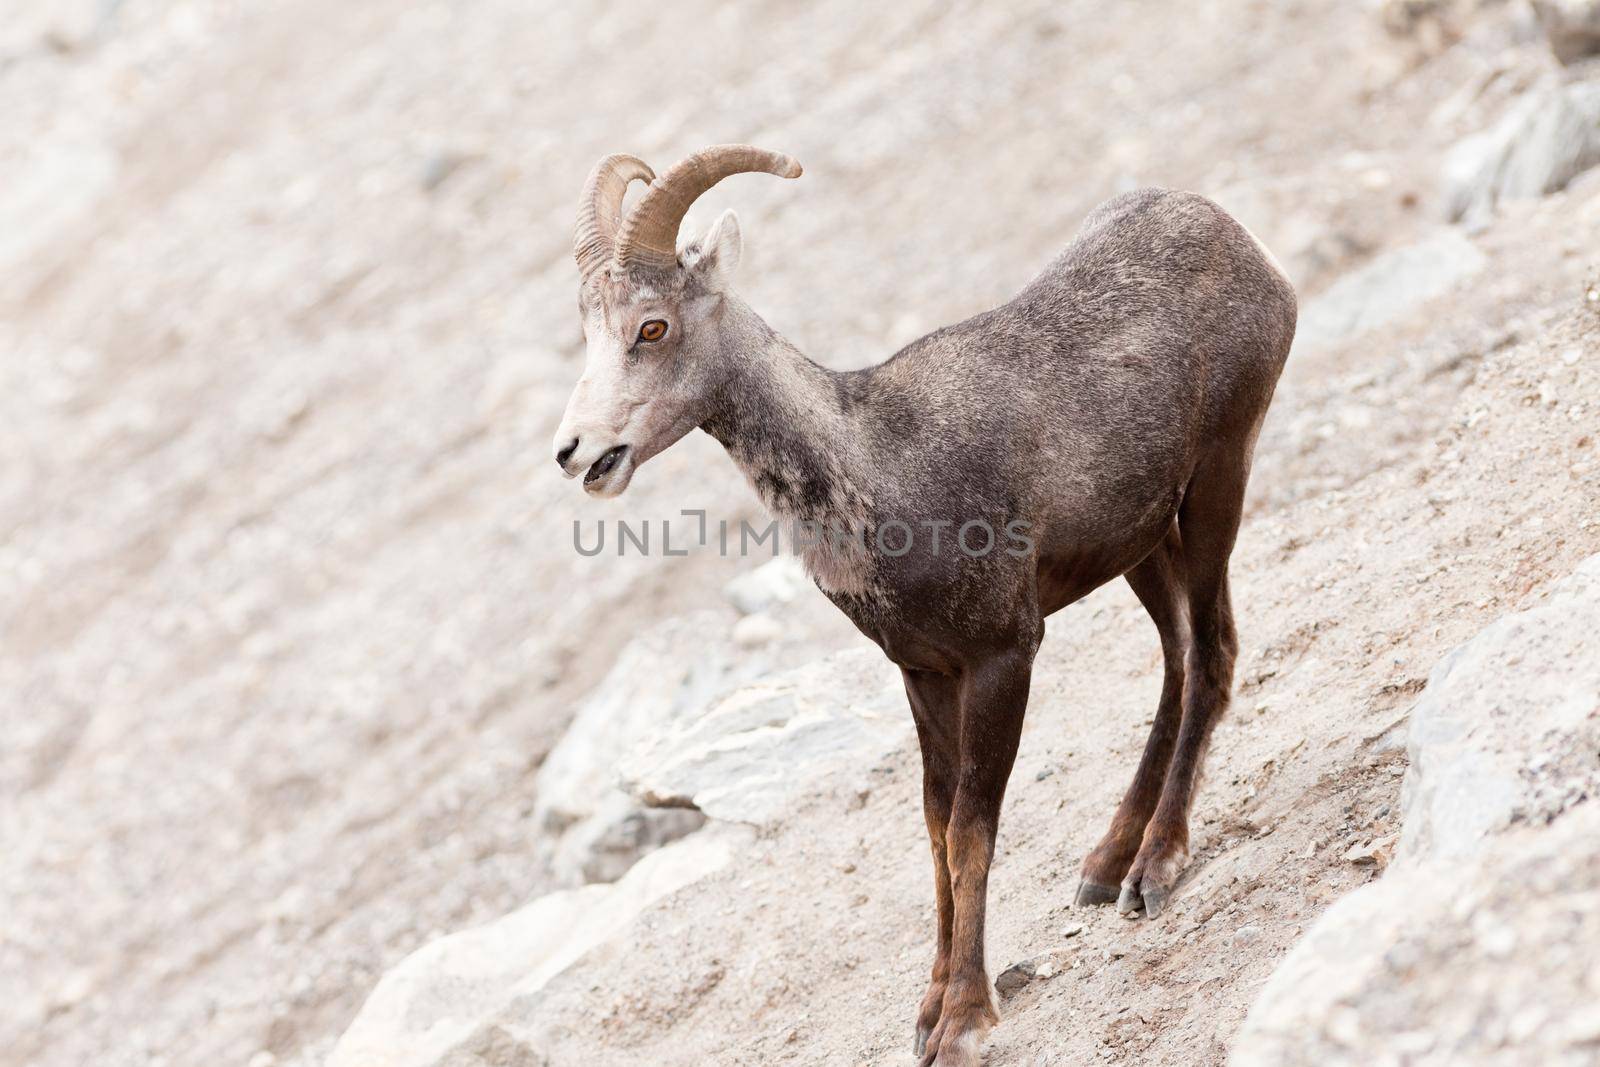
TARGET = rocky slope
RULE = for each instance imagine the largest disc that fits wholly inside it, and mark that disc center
(291, 613)
(1477, 944)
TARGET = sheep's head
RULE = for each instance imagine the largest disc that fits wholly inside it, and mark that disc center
(651, 312)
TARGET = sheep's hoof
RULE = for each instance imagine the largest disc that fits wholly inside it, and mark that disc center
(1092, 893)
(954, 1047)
(1155, 901)
(1149, 902)
(966, 1015)
(1129, 903)
(928, 1015)
(958, 1050)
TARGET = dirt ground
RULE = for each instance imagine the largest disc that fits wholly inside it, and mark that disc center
(289, 612)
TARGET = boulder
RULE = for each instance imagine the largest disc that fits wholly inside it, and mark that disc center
(752, 754)
(1432, 24)
(1476, 945)
(1550, 136)
(450, 1002)
(1571, 26)
(1498, 722)
(613, 835)
(1387, 287)
(597, 831)
(479, 998)
(757, 631)
(768, 586)
(668, 737)
(1488, 960)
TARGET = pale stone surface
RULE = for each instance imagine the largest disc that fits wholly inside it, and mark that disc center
(749, 756)
(1547, 138)
(1489, 961)
(754, 631)
(659, 709)
(1390, 286)
(768, 586)
(445, 993)
(1571, 26)
(1475, 945)
(594, 830)
(657, 676)
(615, 833)
(1526, 689)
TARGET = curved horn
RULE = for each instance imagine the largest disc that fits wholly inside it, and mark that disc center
(649, 236)
(598, 208)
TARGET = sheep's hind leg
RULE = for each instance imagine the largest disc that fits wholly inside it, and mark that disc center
(1208, 522)
(1157, 582)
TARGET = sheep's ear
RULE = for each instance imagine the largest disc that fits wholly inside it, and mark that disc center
(719, 252)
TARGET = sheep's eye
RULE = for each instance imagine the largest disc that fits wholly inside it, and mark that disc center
(654, 330)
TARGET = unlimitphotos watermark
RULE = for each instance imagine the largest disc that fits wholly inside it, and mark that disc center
(974, 538)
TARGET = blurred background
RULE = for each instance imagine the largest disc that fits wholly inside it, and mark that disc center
(289, 611)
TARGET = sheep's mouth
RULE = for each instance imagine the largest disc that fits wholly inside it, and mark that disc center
(612, 467)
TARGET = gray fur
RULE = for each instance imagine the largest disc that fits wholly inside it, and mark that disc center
(1112, 406)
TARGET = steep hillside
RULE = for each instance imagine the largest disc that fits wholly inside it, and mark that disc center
(290, 611)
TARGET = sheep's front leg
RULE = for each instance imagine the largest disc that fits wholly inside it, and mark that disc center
(936, 708)
(993, 697)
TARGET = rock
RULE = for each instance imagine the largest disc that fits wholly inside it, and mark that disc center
(1571, 26)
(655, 678)
(668, 738)
(439, 166)
(1037, 969)
(752, 754)
(452, 999)
(1389, 286)
(597, 829)
(616, 833)
(1374, 853)
(1529, 683)
(746, 757)
(769, 586)
(1014, 977)
(1549, 137)
(1404, 956)
(754, 631)
(1247, 934)
(1432, 24)
(1481, 927)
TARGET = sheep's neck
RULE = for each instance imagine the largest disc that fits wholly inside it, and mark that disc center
(782, 419)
